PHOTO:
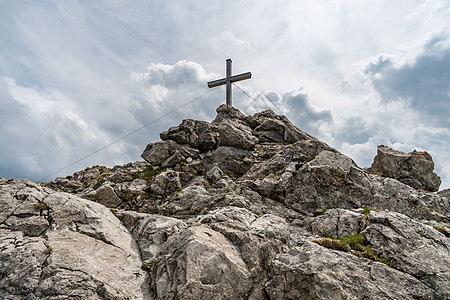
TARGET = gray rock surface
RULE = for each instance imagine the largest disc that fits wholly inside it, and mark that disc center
(244, 207)
(198, 134)
(414, 169)
(235, 134)
(214, 174)
(56, 246)
(408, 244)
(338, 223)
(104, 195)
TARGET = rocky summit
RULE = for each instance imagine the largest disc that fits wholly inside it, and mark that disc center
(243, 207)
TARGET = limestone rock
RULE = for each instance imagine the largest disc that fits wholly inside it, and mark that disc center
(338, 223)
(228, 112)
(150, 231)
(235, 134)
(157, 153)
(414, 169)
(104, 195)
(173, 160)
(269, 127)
(231, 160)
(414, 248)
(213, 269)
(331, 179)
(308, 275)
(231, 253)
(445, 193)
(199, 134)
(166, 182)
(214, 174)
(244, 207)
(84, 251)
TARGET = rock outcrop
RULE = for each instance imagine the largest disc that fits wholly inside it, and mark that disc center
(414, 169)
(244, 207)
(58, 246)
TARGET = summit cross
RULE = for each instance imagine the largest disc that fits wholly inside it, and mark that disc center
(228, 80)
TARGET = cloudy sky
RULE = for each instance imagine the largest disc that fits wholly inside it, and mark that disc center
(76, 76)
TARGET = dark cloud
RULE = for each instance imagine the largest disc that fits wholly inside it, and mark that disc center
(71, 64)
(42, 133)
(423, 84)
(303, 114)
(355, 130)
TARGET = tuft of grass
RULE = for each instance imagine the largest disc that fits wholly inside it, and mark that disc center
(41, 206)
(323, 211)
(48, 250)
(69, 177)
(91, 168)
(357, 244)
(442, 230)
(302, 163)
(148, 173)
(333, 244)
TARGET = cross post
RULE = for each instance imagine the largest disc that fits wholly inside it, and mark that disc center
(228, 80)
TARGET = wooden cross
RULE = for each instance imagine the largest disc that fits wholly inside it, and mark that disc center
(228, 80)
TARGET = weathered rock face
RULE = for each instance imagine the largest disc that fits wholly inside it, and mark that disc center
(57, 246)
(198, 134)
(244, 207)
(414, 169)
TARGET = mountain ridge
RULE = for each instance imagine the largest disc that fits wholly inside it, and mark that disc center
(243, 207)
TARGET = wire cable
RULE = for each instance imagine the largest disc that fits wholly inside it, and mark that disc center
(130, 133)
(256, 101)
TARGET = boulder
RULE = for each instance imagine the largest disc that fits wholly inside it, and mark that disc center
(173, 160)
(269, 127)
(198, 134)
(338, 223)
(229, 112)
(414, 169)
(83, 251)
(213, 269)
(214, 174)
(156, 153)
(235, 134)
(104, 195)
(309, 275)
(231, 160)
(232, 253)
(166, 182)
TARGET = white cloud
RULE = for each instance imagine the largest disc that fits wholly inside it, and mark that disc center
(94, 71)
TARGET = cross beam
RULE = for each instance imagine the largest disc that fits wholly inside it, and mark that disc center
(228, 80)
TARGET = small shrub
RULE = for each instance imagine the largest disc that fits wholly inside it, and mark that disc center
(48, 250)
(69, 177)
